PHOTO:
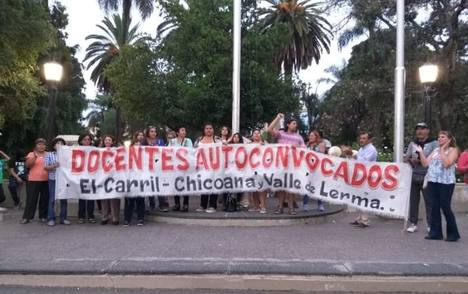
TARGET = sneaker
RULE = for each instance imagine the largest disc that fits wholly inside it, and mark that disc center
(412, 228)
(263, 211)
(65, 222)
(210, 210)
(81, 221)
(164, 209)
(321, 207)
(305, 207)
(200, 209)
(51, 223)
(91, 221)
(428, 229)
(24, 221)
(43, 220)
(126, 223)
(279, 211)
(140, 223)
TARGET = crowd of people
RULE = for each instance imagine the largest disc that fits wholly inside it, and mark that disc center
(434, 162)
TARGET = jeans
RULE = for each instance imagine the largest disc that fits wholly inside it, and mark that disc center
(36, 191)
(13, 188)
(85, 206)
(130, 204)
(162, 202)
(306, 199)
(441, 197)
(417, 182)
(63, 204)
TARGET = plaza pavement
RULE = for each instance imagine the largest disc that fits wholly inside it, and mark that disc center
(333, 248)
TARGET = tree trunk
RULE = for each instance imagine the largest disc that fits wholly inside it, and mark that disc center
(126, 18)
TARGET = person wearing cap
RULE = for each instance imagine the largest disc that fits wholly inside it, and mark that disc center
(50, 165)
(412, 157)
(37, 187)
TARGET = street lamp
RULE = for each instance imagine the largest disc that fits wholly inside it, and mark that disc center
(428, 74)
(53, 75)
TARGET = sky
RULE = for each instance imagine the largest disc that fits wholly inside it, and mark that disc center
(84, 15)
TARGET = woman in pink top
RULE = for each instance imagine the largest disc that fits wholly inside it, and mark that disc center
(462, 166)
(37, 186)
(288, 137)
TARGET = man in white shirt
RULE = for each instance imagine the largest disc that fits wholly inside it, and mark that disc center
(367, 152)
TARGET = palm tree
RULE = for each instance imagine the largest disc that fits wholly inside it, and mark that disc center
(145, 7)
(308, 33)
(105, 48)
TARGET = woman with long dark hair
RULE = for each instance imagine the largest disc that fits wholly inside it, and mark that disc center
(37, 186)
(135, 202)
(208, 202)
(181, 140)
(85, 207)
(317, 144)
(152, 139)
(225, 134)
(110, 207)
(440, 185)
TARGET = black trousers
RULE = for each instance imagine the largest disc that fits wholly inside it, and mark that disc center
(130, 204)
(417, 182)
(211, 199)
(177, 200)
(441, 198)
(85, 207)
(36, 191)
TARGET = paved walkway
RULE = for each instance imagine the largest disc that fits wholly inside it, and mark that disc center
(333, 248)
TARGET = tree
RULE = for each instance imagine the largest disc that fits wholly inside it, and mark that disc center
(103, 51)
(308, 33)
(24, 33)
(184, 77)
(22, 128)
(145, 8)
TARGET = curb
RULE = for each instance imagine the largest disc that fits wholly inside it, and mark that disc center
(361, 284)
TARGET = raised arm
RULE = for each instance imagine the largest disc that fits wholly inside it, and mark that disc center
(272, 125)
(450, 158)
(425, 161)
(7, 158)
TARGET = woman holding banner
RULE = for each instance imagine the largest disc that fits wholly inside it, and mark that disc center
(440, 185)
(288, 137)
(152, 139)
(259, 196)
(317, 144)
(181, 141)
(208, 202)
(85, 207)
(110, 207)
(135, 202)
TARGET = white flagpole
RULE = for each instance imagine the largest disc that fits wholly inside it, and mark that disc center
(236, 66)
(400, 84)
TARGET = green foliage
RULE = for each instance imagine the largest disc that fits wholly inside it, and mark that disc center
(308, 33)
(362, 99)
(24, 34)
(22, 127)
(185, 78)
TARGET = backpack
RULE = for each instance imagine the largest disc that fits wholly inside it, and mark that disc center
(231, 203)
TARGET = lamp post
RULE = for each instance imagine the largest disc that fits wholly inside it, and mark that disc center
(236, 66)
(428, 75)
(53, 74)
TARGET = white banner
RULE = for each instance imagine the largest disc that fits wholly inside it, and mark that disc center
(100, 173)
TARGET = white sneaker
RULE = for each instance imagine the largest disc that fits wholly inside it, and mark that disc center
(428, 229)
(210, 210)
(263, 211)
(199, 209)
(412, 228)
(51, 223)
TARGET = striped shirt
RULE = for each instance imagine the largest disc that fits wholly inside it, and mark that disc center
(51, 159)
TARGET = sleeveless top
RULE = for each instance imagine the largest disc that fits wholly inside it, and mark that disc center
(437, 173)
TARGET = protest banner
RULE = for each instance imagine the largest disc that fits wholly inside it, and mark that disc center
(99, 173)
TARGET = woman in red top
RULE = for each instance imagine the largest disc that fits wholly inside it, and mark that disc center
(462, 166)
(37, 186)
